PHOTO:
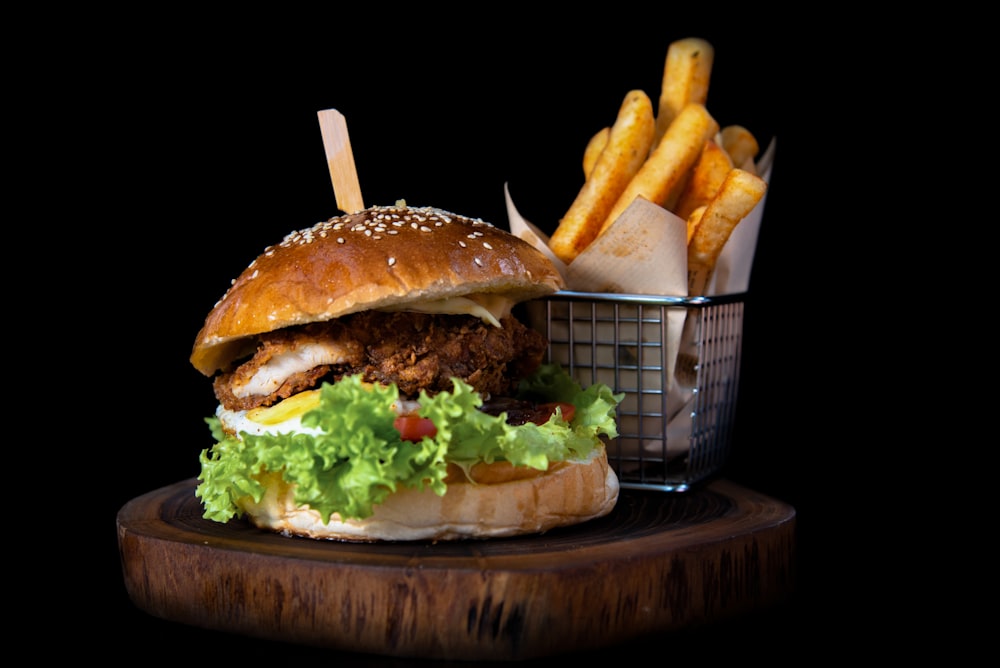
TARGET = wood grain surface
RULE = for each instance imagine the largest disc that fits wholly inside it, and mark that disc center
(658, 562)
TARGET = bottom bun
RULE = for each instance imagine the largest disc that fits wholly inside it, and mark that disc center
(571, 492)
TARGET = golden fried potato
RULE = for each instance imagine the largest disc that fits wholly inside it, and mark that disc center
(628, 145)
(741, 146)
(665, 171)
(739, 194)
(706, 177)
(593, 150)
(693, 219)
(686, 74)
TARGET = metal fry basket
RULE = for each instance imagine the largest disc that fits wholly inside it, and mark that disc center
(677, 361)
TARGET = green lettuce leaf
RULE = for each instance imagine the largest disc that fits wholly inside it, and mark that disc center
(358, 458)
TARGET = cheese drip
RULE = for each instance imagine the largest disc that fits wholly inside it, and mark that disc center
(489, 308)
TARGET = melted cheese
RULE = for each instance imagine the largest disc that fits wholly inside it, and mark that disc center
(489, 308)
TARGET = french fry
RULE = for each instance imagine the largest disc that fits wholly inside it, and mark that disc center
(706, 177)
(662, 176)
(693, 219)
(625, 152)
(593, 150)
(741, 146)
(704, 174)
(739, 194)
(686, 73)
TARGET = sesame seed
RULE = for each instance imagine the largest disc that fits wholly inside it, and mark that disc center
(486, 245)
(479, 262)
(392, 261)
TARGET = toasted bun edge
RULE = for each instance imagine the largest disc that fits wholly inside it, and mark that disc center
(576, 492)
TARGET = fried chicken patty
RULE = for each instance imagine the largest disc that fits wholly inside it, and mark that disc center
(416, 351)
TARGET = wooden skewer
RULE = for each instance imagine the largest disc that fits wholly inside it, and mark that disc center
(340, 159)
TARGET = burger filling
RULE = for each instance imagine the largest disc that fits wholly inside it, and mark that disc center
(416, 351)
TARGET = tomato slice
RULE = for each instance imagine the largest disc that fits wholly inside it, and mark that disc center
(414, 427)
(545, 411)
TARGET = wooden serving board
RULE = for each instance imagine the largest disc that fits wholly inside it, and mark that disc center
(658, 562)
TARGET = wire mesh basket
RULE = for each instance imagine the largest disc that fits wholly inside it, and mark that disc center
(677, 361)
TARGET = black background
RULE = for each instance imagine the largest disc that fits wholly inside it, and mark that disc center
(212, 151)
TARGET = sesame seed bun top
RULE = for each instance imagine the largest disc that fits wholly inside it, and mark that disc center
(376, 258)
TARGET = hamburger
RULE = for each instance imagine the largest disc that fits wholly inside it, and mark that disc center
(375, 384)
